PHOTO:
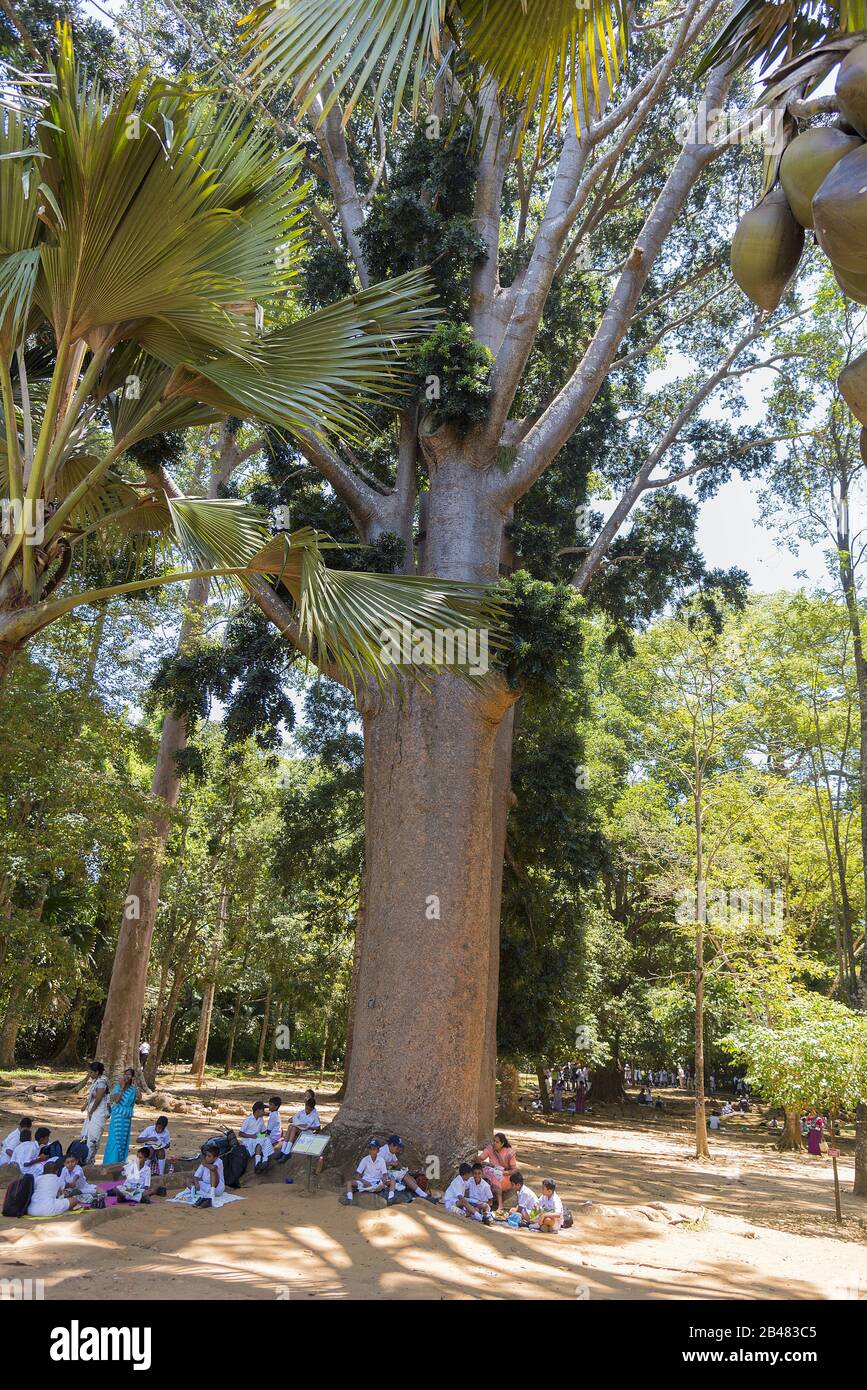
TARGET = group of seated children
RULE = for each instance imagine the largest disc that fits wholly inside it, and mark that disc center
(262, 1135)
(28, 1148)
(381, 1169)
(470, 1195)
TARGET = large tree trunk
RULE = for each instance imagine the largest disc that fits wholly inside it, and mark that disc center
(502, 798)
(420, 1026)
(121, 1025)
(422, 1030)
(544, 1097)
(200, 1056)
(791, 1139)
(608, 1084)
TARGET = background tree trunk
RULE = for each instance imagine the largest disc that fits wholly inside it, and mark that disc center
(544, 1097)
(791, 1139)
(608, 1085)
(263, 1034)
(352, 1002)
(200, 1056)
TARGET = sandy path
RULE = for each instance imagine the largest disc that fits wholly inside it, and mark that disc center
(752, 1224)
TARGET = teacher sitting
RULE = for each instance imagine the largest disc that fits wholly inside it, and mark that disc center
(499, 1160)
(123, 1098)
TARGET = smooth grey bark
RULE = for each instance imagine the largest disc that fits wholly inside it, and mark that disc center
(200, 1056)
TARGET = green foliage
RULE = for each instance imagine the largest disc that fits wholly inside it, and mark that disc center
(459, 369)
(816, 1059)
(545, 632)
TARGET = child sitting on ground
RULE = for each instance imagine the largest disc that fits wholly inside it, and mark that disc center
(46, 1199)
(392, 1152)
(73, 1183)
(13, 1139)
(455, 1196)
(26, 1151)
(208, 1179)
(136, 1178)
(479, 1195)
(273, 1122)
(253, 1134)
(158, 1139)
(372, 1174)
(550, 1206)
(303, 1121)
(527, 1202)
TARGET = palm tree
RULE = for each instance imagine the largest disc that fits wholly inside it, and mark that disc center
(146, 240)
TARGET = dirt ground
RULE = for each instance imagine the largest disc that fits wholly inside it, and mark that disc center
(750, 1224)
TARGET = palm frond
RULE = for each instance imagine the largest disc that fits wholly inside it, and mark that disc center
(766, 31)
(316, 373)
(533, 49)
(352, 619)
(222, 533)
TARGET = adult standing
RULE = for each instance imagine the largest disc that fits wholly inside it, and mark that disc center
(123, 1098)
(95, 1109)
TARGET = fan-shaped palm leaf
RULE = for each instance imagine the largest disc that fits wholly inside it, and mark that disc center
(765, 31)
(532, 48)
(317, 372)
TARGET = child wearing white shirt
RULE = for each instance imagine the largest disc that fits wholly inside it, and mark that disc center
(372, 1174)
(158, 1140)
(25, 1152)
(274, 1124)
(527, 1201)
(47, 1199)
(303, 1121)
(551, 1207)
(479, 1195)
(455, 1196)
(253, 1134)
(208, 1179)
(72, 1179)
(136, 1178)
(13, 1139)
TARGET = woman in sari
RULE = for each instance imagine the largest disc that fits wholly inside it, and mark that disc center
(499, 1160)
(123, 1099)
(814, 1136)
(95, 1109)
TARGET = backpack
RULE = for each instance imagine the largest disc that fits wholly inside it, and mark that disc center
(568, 1219)
(19, 1195)
(235, 1161)
(52, 1150)
(78, 1150)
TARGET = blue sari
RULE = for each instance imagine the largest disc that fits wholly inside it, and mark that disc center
(120, 1125)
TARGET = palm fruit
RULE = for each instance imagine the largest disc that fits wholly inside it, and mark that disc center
(854, 286)
(852, 382)
(766, 248)
(806, 163)
(840, 213)
(851, 88)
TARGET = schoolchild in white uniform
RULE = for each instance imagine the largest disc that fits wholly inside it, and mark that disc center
(527, 1201)
(273, 1122)
(372, 1173)
(304, 1121)
(73, 1183)
(136, 1178)
(158, 1139)
(455, 1195)
(480, 1195)
(41, 1137)
(26, 1151)
(392, 1152)
(13, 1139)
(253, 1134)
(208, 1179)
(551, 1207)
(46, 1199)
